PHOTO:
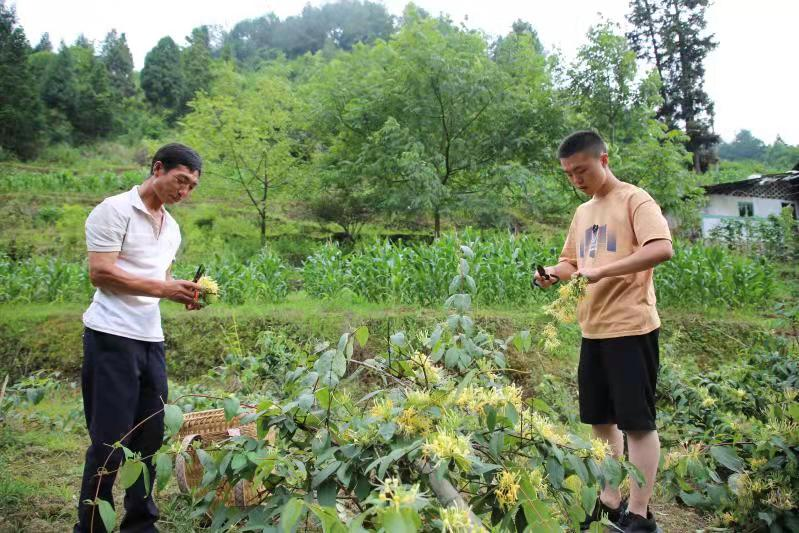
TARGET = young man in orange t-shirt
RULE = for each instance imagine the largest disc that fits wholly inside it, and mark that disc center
(615, 239)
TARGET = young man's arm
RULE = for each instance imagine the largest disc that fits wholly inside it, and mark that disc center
(650, 254)
(105, 274)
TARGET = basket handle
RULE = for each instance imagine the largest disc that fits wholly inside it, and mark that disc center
(180, 461)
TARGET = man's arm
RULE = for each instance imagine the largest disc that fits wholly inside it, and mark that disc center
(105, 274)
(650, 254)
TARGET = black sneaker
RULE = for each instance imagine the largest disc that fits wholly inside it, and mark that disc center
(634, 523)
(601, 510)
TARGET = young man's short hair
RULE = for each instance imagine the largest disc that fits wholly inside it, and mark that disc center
(582, 141)
(175, 154)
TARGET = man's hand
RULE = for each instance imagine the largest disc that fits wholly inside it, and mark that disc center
(181, 291)
(591, 274)
(543, 282)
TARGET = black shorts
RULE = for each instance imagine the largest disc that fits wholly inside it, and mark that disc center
(617, 379)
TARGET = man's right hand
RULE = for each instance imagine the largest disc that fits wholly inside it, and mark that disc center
(543, 282)
(181, 291)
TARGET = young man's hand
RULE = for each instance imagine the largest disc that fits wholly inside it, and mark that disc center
(543, 282)
(591, 274)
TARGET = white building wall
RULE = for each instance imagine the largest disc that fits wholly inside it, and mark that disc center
(720, 207)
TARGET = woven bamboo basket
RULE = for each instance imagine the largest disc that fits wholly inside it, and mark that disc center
(207, 427)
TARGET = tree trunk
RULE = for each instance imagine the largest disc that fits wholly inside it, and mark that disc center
(437, 218)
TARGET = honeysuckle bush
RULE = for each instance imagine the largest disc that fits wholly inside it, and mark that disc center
(734, 439)
(430, 435)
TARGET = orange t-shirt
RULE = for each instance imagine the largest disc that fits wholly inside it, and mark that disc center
(603, 231)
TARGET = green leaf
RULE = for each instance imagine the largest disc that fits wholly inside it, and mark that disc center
(635, 474)
(163, 469)
(173, 418)
(491, 418)
(145, 472)
(387, 430)
(588, 497)
(539, 518)
(107, 514)
(290, 514)
(129, 472)
(362, 336)
(692, 499)
(398, 339)
(232, 407)
(325, 473)
(326, 493)
(238, 462)
(727, 456)
(611, 470)
(400, 521)
(555, 472)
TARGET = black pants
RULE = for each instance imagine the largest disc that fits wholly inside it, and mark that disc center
(617, 381)
(124, 382)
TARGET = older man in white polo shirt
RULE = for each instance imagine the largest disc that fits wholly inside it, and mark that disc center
(132, 241)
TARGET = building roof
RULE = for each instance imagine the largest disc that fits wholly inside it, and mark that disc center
(783, 186)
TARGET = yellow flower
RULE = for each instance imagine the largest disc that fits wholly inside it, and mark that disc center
(757, 462)
(397, 495)
(507, 492)
(600, 449)
(420, 399)
(448, 445)
(410, 422)
(541, 426)
(209, 290)
(781, 499)
(727, 519)
(456, 520)
(382, 409)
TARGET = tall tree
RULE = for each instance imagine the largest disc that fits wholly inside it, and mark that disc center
(76, 87)
(196, 62)
(20, 109)
(603, 85)
(671, 34)
(744, 146)
(44, 44)
(162, 77)
(428, 117)
(118, 60)
(248, 134)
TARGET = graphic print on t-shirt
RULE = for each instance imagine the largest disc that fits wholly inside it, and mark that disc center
(595, 236)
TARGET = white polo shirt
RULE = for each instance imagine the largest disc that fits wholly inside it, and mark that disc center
(122, 224)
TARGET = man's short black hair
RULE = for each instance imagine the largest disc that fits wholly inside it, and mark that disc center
(173, 155)
(582, 141)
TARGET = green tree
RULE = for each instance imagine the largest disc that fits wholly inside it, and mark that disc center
(196, 62)
(603, 85)
(162, 78)
(20, 109)
(77, 88)
(248, 134)
(782, 156)
(671, 34)
(118, 60)
(744, 146)
(44, 44)
(428, 117)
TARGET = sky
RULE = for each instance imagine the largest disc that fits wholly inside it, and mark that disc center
(751, 76)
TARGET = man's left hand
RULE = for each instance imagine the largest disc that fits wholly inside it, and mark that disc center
(592, 274)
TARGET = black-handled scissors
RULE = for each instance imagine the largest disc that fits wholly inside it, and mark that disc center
(544, 275)
(199, 274)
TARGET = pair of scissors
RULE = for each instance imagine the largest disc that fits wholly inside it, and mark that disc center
(197, 276)
(543, 274)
